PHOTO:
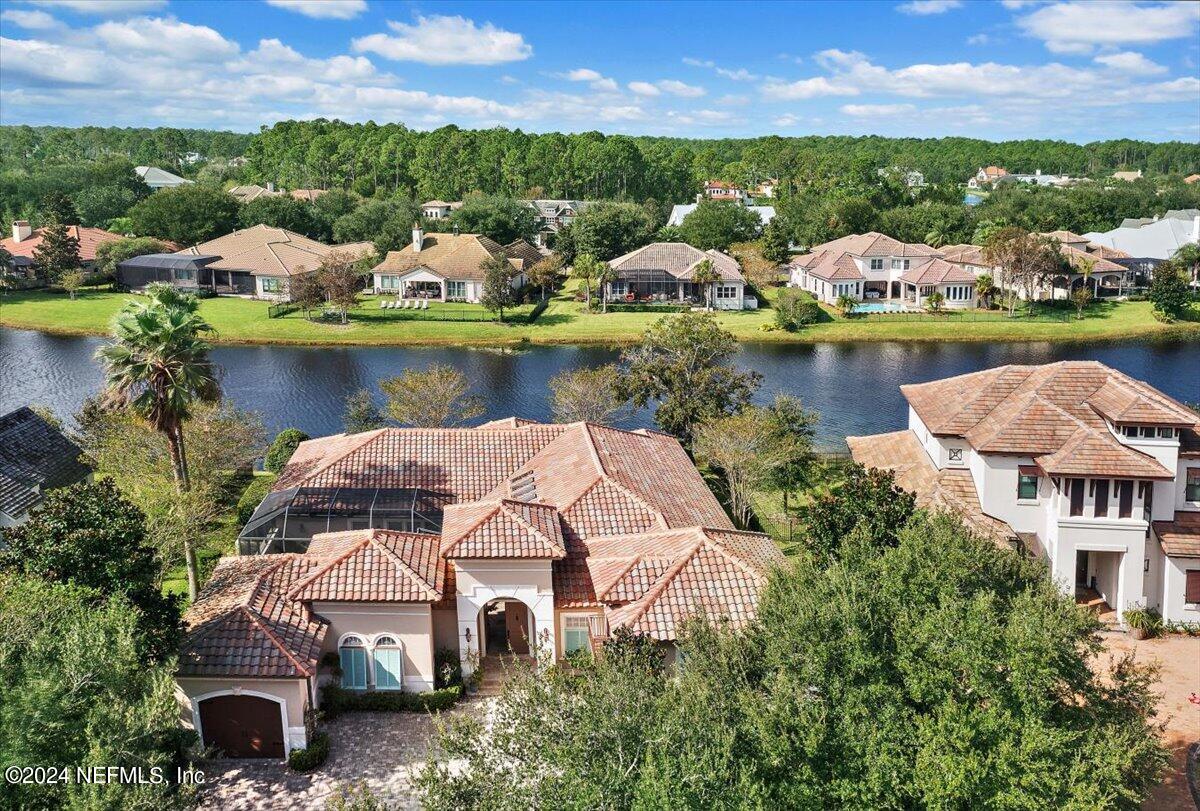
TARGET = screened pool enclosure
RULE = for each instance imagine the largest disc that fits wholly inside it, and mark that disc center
(285, 521)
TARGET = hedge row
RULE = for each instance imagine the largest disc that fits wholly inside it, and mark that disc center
(335, 700)
(305, 760)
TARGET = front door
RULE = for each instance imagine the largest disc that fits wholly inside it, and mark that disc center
(516, 619)
(1081, 569)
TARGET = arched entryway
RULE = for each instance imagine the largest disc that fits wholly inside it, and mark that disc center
(506, 626)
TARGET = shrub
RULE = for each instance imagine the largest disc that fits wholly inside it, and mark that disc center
(796, 308)
(283, 447)
(335, 700)
(312, 757)
(447, 668)
(1144, 619)
(252, 496)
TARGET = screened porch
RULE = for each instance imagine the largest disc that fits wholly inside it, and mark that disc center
(649, 286)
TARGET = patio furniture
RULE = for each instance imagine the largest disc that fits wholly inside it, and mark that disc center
(425, 304)
(382, 304)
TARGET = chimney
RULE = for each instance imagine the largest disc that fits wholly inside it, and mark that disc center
(270, 185)
(21, 230)
(699, 198)
(418, 237)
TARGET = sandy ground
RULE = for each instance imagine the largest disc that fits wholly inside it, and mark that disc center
(1178, 658)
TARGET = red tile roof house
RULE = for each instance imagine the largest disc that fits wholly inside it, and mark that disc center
(874, 266)
(385, 546)
(1085, 467)
(26, 239)
(720, 190)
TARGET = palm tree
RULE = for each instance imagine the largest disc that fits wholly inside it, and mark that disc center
(936, 237)
(157, 366)
(705, 274)
(586, 268)
(984, 287)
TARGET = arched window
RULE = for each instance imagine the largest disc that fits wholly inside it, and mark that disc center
(388, 660)
(353, 654)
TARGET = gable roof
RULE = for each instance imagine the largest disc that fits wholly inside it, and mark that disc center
(157, 178)
(1181, 536)
(267, 251)
(34, 457)
(457, 256)
(307, 195)
(372, 565)
(1055, 413)
(829, 265)
(252, 191)
(677, 259)
(89, 240)
(937, 271)
(504, 528)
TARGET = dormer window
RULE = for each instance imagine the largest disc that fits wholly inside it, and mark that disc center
(1148, 432)
(1130, 431)
(1166, 433)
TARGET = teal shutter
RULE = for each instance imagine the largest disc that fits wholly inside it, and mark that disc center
(354, 668)
(389, 668)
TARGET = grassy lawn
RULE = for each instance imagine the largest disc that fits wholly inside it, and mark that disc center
(785, 526)
(565, 321)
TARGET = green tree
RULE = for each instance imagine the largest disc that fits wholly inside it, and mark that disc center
(57, 206)
(706, 276)
(282, 448)
(99, 205)
(282, 211)
(158, 366)
(795, 425)
(587, 269)
(341, 280)
(1189, 257)
(606, 230)
(78, 691)
(57, 254)
(775, 242)
(867, 497)
(935, 300)
(1169, 290)
(306, 291)
(714, 224)
(186, 215)
(112, 253)
(72, 281)
(985, 288)
(361, 413)
(501, 218)
(436, 397)
(89, 534)
(498, 291)
(586, 395)
(795, 308)
(1081, 297)
(846, 303)
(681, 364)
(546, 274)
(376, 219)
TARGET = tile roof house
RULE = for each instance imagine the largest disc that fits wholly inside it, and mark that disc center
(449, 267)
(34, 457)
(664, 271)
(1092, 470)
(157, 178)
(876, 266)
(25, 240)
(257, 261)
(986, 175)
(382, 547)
(438, 209)
(720, 190)
(253, 191)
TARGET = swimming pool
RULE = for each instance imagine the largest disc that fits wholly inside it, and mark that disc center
(880, 307)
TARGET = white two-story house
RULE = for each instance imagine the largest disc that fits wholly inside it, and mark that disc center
(1093, 471)
(874, 266)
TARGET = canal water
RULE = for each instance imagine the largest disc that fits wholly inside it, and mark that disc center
(854, 386)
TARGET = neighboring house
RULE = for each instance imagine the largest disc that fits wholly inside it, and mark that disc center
(539, 540)
(1153, 240)
(306, 195)
(664, 271)
(245, 194)
(766, 188)
(1110, 273)
(553, 215)
(438, 209)
(720, 190)
(157, 178)
(34, 457)
(1078, 464)
(876, 266)
(680, 212)
(25, 240)
(449, 267)
(258, 261)
(986, 175)
(1036, 179)
(911, 177)
(1127, 176)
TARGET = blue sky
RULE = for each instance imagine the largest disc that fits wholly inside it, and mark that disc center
(1078, 71)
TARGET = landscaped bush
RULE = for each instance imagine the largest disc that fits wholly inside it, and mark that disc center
(317, 752)
(618, 307)
(283, 447)
(795, 308)
(252, 496)
(447, 668)
(335, 700)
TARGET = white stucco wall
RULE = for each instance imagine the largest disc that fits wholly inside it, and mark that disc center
(1174, 575)
(410, 623)
(480, 581)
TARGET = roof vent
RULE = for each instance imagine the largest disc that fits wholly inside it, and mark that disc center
(523, 487)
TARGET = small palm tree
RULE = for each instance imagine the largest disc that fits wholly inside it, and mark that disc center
(586, 268)
(705, 274)
(936, 237)
(846, 303)
(984, 288)
(158, 367)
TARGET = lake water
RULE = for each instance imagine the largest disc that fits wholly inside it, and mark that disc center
(853, 386)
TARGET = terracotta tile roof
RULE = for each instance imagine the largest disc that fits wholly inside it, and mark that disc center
(242, 624)
(829, 265)
(1066, 237)
(373, 565)
(1126, 404)
(677, 259)
(1180, 537)
(937, 271)
(245, 194)
(89, 240)
(875, 244)
(266, 251)
(307, 195)
(1105, 252)
(502, 529)
(952, 490)
(965, 254)
(1041, 410)
(1076, 257)
(456, 256)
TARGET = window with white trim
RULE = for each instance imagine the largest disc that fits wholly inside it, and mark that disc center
(1191, 490)
(389, 282)
(727, 291)
(270, 284)
(456, 291)
(619, 288)
(576, 633)
(876, 264)
(387, 662)
(352, 655)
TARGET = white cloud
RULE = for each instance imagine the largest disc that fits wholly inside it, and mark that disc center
(273, 57)
(738, 75)
(877, 110)
(644, 89)
(733, 100)
(926, 7)
(1131, 62)
(105, 6)
(707, 118)
(438, 40)
(1016, 4)
(597, 80)
(699, 63)
(29, 19)
(166, 37)
(786, 120)
(678, 88)
(1076, 27)
(323, 9)
(806, 89)
(978, 39)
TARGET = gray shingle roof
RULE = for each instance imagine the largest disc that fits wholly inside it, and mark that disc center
(34, 457)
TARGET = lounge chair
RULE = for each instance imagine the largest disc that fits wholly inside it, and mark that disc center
(425, 304)
(382, 304)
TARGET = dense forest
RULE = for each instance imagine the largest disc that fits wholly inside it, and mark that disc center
(831, 185)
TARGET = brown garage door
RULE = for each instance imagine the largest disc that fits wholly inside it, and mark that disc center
(242, 726)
